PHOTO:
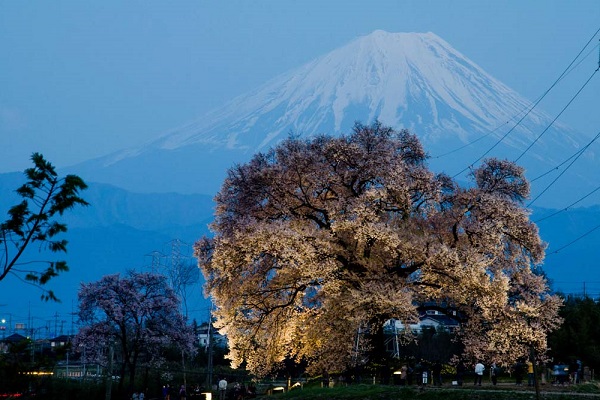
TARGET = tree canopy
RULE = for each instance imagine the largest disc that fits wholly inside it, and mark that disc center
(320, 239)
(45, 197)
(579, 337)
(139, 314)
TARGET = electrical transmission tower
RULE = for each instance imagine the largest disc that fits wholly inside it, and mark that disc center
(178, 265)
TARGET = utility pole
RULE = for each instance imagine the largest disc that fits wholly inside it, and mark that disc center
(3, 324)
(396, 343)
(32, 344)
(536, 381)
(111, 353)
(183, 366)
(210, 349)
(155, 262)
(84, 361)
(175, 263)
(56, 324)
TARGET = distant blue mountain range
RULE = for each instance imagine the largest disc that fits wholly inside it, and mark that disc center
(161, 191)
(122, 230)
(119, 231)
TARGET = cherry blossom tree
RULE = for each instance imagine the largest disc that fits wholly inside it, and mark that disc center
(36, 220)
(137, 314)
(320, 239)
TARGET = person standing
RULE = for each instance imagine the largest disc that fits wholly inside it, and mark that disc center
(573, 372)
(222, 389)
(403, 375)
(166, 392)
(460, 372)
(529, 373)
(238, 393)
(436, 370)
(494, 371)
(251, 390)
(519, 370)
(479, 368)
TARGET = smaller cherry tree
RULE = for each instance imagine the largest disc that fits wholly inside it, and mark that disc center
(137, 315)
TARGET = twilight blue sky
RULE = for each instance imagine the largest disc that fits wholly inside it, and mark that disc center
(81, 79)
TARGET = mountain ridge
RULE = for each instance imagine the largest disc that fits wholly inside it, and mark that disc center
(405, 80)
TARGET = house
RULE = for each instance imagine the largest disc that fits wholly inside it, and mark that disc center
(60, 341)
(14, 338)
(204, 334)
(428, 318)
(8, 341)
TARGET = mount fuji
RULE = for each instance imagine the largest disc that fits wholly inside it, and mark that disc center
(405, 80)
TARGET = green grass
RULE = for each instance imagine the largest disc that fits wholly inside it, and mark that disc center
(382, 392)
(350, 392)
(592, 387)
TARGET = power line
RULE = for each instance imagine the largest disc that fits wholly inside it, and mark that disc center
(585, 57)
(516, 115)
(575, 240)
(569, 206)
(531, 109)
(476, 140)
(576, 155)
(574, 158)
(563, 172)
(559, 114)
(561, 164)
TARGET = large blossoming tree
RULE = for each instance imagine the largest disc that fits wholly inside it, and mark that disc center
(138, 315)
(320, 239)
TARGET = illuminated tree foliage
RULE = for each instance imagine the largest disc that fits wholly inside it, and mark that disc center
(138, 315)
(321, 238)
(35, 220)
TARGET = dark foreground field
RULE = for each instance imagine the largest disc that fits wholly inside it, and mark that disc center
(61, 390)
(502, 392)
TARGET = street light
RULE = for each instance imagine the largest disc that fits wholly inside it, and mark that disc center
(3, 328)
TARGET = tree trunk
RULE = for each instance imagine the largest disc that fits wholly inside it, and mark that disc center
(108, 392)
(536, 381)
(379, 355)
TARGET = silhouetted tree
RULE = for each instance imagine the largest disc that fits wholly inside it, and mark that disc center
(579, 336)
(45, 197)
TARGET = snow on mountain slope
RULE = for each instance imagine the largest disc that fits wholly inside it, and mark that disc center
(387, 74)
(406, 80)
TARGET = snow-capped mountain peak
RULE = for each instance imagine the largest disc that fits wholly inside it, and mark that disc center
(412, 80)
(405, 80)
